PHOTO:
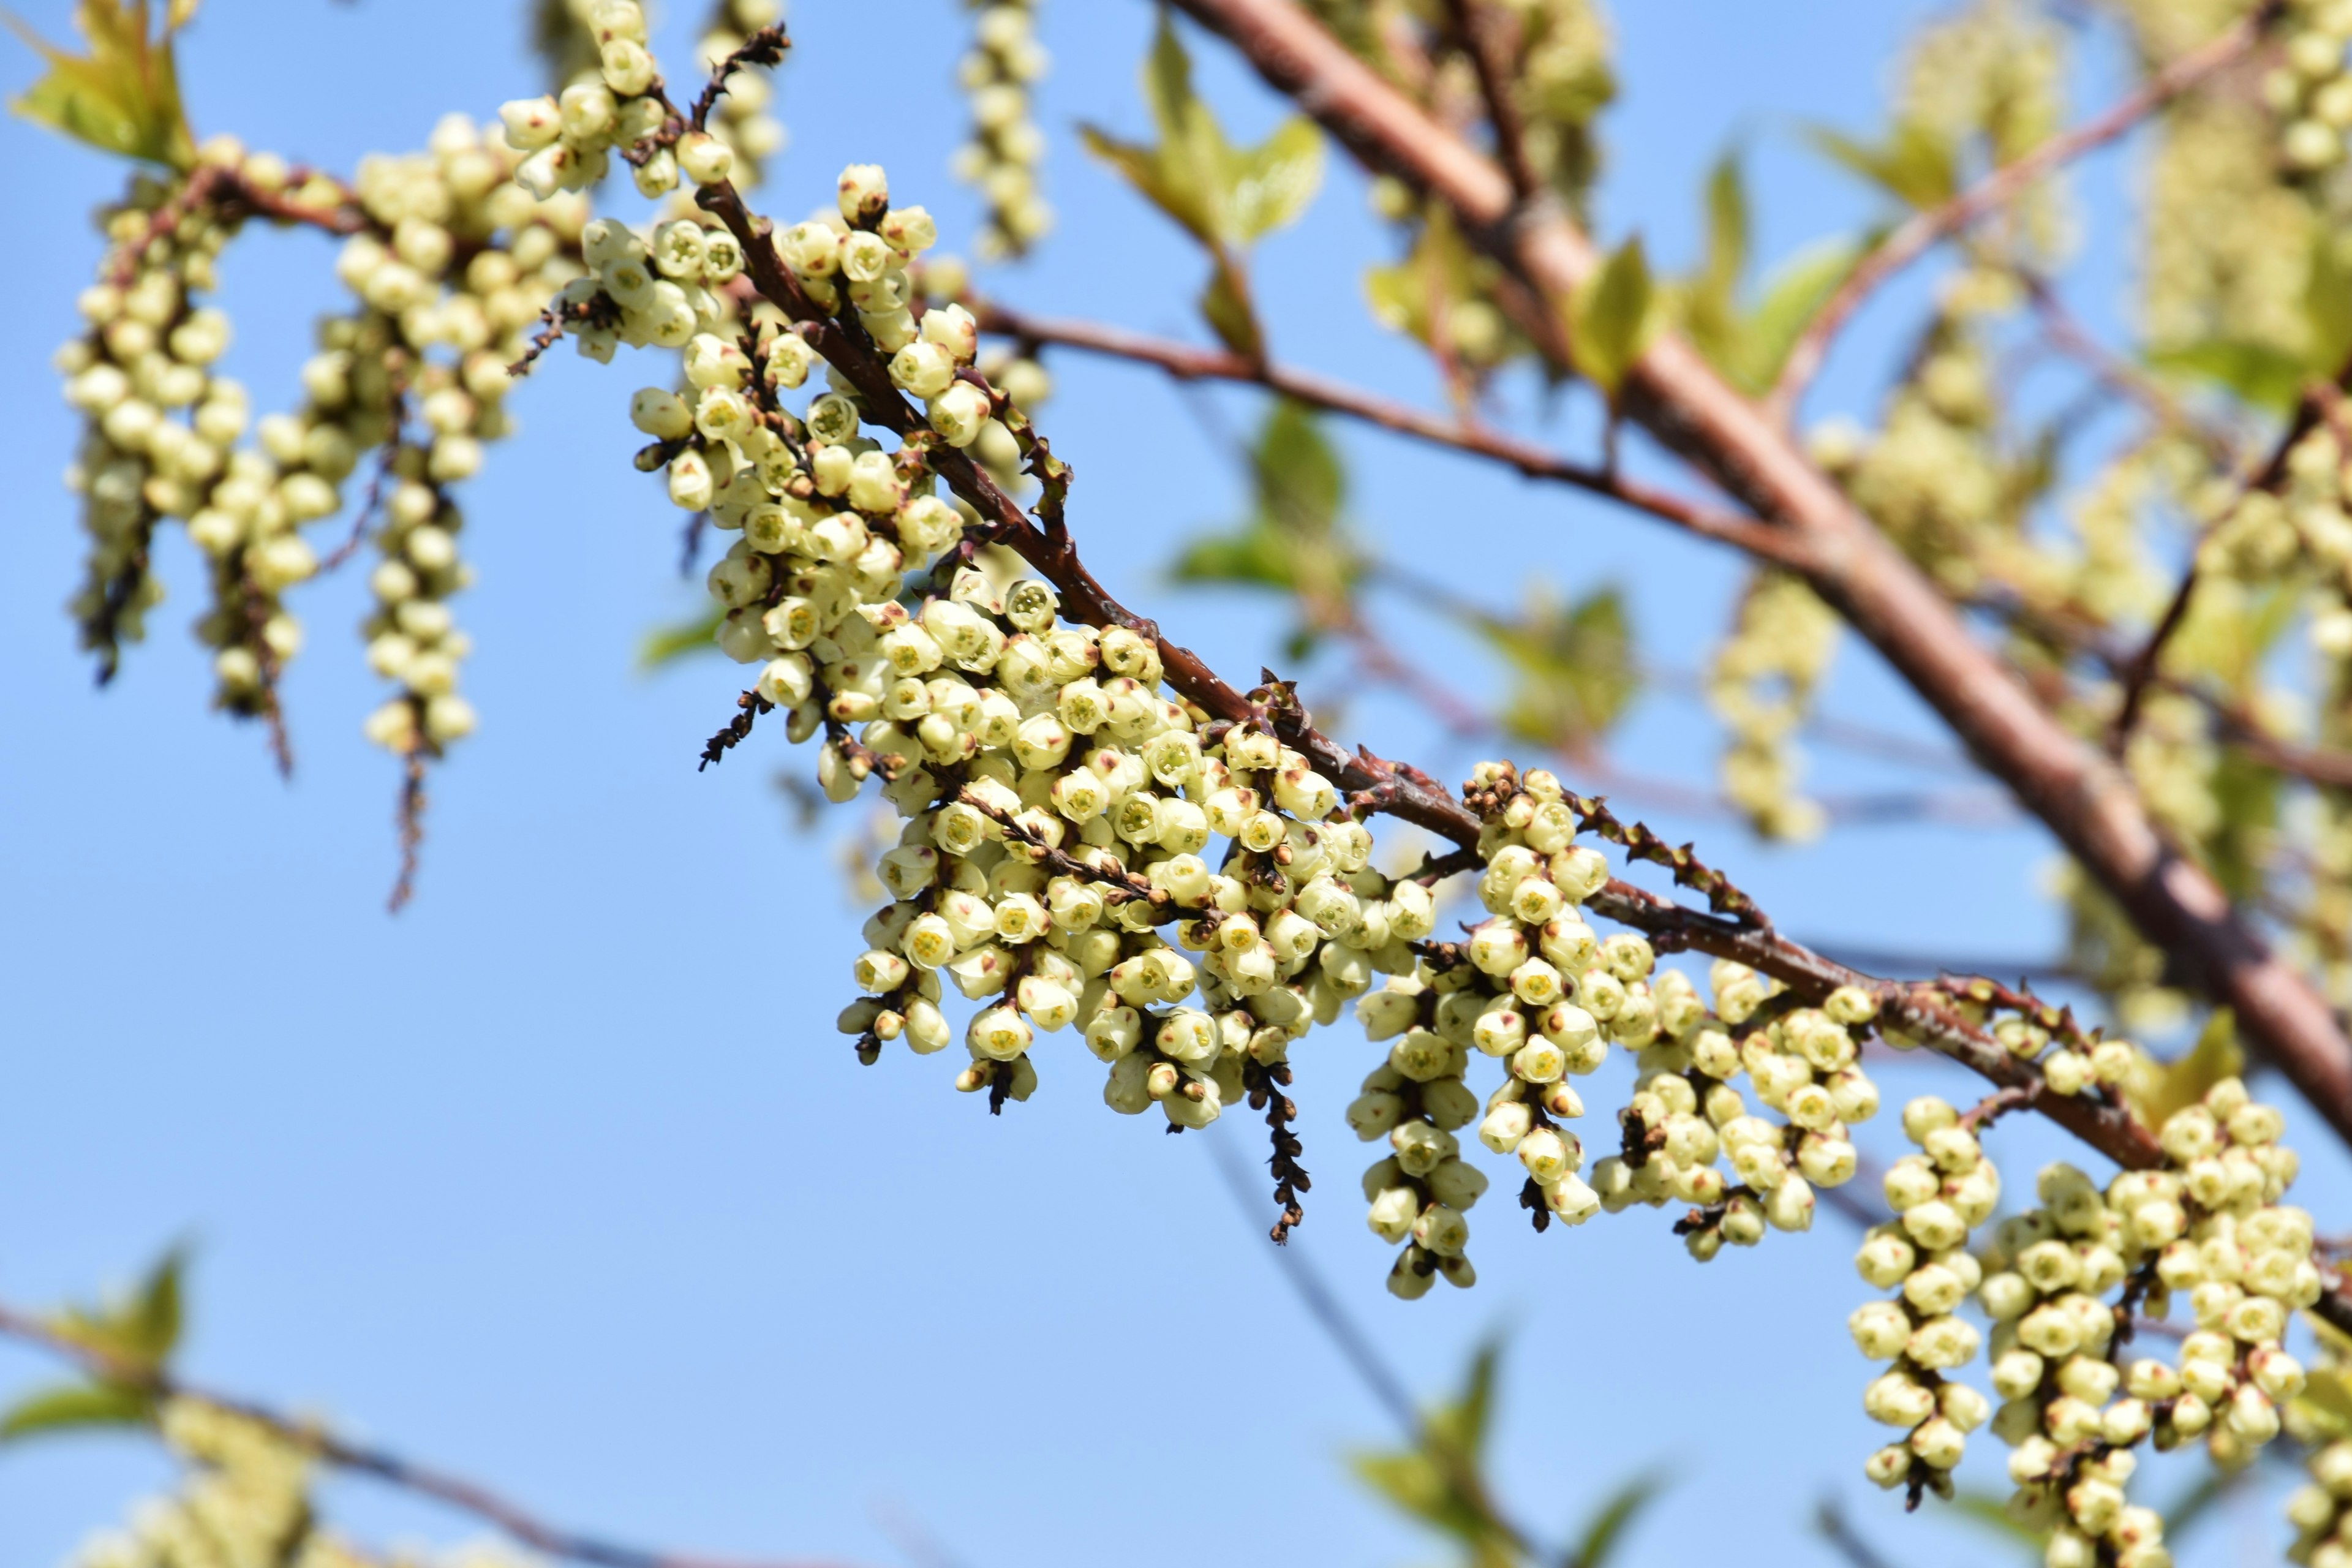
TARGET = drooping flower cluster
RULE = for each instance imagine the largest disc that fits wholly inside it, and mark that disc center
(1000, 160)
(2311, 89)
(1761, 686)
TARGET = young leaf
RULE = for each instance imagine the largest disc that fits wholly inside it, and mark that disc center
(681, 639)
(1915, 165)
(2262, 375)
(1575, 665)
(123, 97)
(2328, 304)
(2155, 1089)
(73, 1406)
(1794, 296)
(150, 1323)
(1270, 185)
(1612, 319)
(1597, 1541)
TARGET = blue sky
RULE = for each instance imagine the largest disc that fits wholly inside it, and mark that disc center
(562, 1177)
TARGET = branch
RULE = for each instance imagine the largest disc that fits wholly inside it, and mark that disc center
(1924, 1012)
(1481, 29)
(466, 1496)
(1186, 362)
(2310, 411)
(2077, 792)
(1921, 231)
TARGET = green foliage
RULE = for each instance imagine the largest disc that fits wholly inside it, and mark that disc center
(1597, 1544)
(1224, 197)
(123, 97)
(2263, 375)
(2160, 1089)
(1440, 1481)
(1292, 539)
(1914, 164)
(75, 1406)
(137, 1334)
(668, 643)
(1750, 345)
(1437, 1480)
(1574, 667)
(1613, 317)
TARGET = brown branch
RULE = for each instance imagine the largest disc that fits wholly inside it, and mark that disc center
(468, 1497)
(1186, 362)
(1919, 233)
(1482, 31)
(2117, 373)
(2311, 410)
(2270, 998)
(2076, 791)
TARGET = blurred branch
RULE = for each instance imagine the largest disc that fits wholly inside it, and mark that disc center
(525, 1529)
(1187, 362)
(1917, 234)
(1364, 1360)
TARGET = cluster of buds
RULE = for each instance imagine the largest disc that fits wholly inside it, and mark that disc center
(2207, 1223)
(161, 439)
(1761, 687)
(2321, 1511)
(2311, 89)
(1938, 1195)
(568, 138)
(1002, 158)
(456, 267)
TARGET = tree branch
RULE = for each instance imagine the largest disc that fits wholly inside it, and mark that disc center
(1917, 234)
(1925, 1014)
(2086, 802)
(466, 1496)
(1187, 362)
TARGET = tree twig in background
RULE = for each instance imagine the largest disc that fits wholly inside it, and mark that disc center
(1922, 231)
(523, 1528)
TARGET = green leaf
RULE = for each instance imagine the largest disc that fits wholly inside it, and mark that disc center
(1611, 320)
(1226, 305)
(1576, 672)
(1794, 296)
(2328, 304)
(2262, 375)
(2155, 1089)
(150, 1323)
(1167, 186)
(1270, 185)
(74, 1406)
(123, 97)
(1292, 539)
(1991, 1510)
(1915, 165)
(1300, 479)
(680, 639)
(1597, 1541)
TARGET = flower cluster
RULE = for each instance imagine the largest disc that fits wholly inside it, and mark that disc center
(1000, 160)
(2207, 1224)
(568, 138)
(1761, 687)
(161, 434)
(2311, 89)
(453, 271)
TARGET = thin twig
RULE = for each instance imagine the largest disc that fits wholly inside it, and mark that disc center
(1920, 232)
(1481, 27)
(1187, 362)
(468, 1497)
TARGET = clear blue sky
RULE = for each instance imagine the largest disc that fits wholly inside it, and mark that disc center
(562, 1178)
